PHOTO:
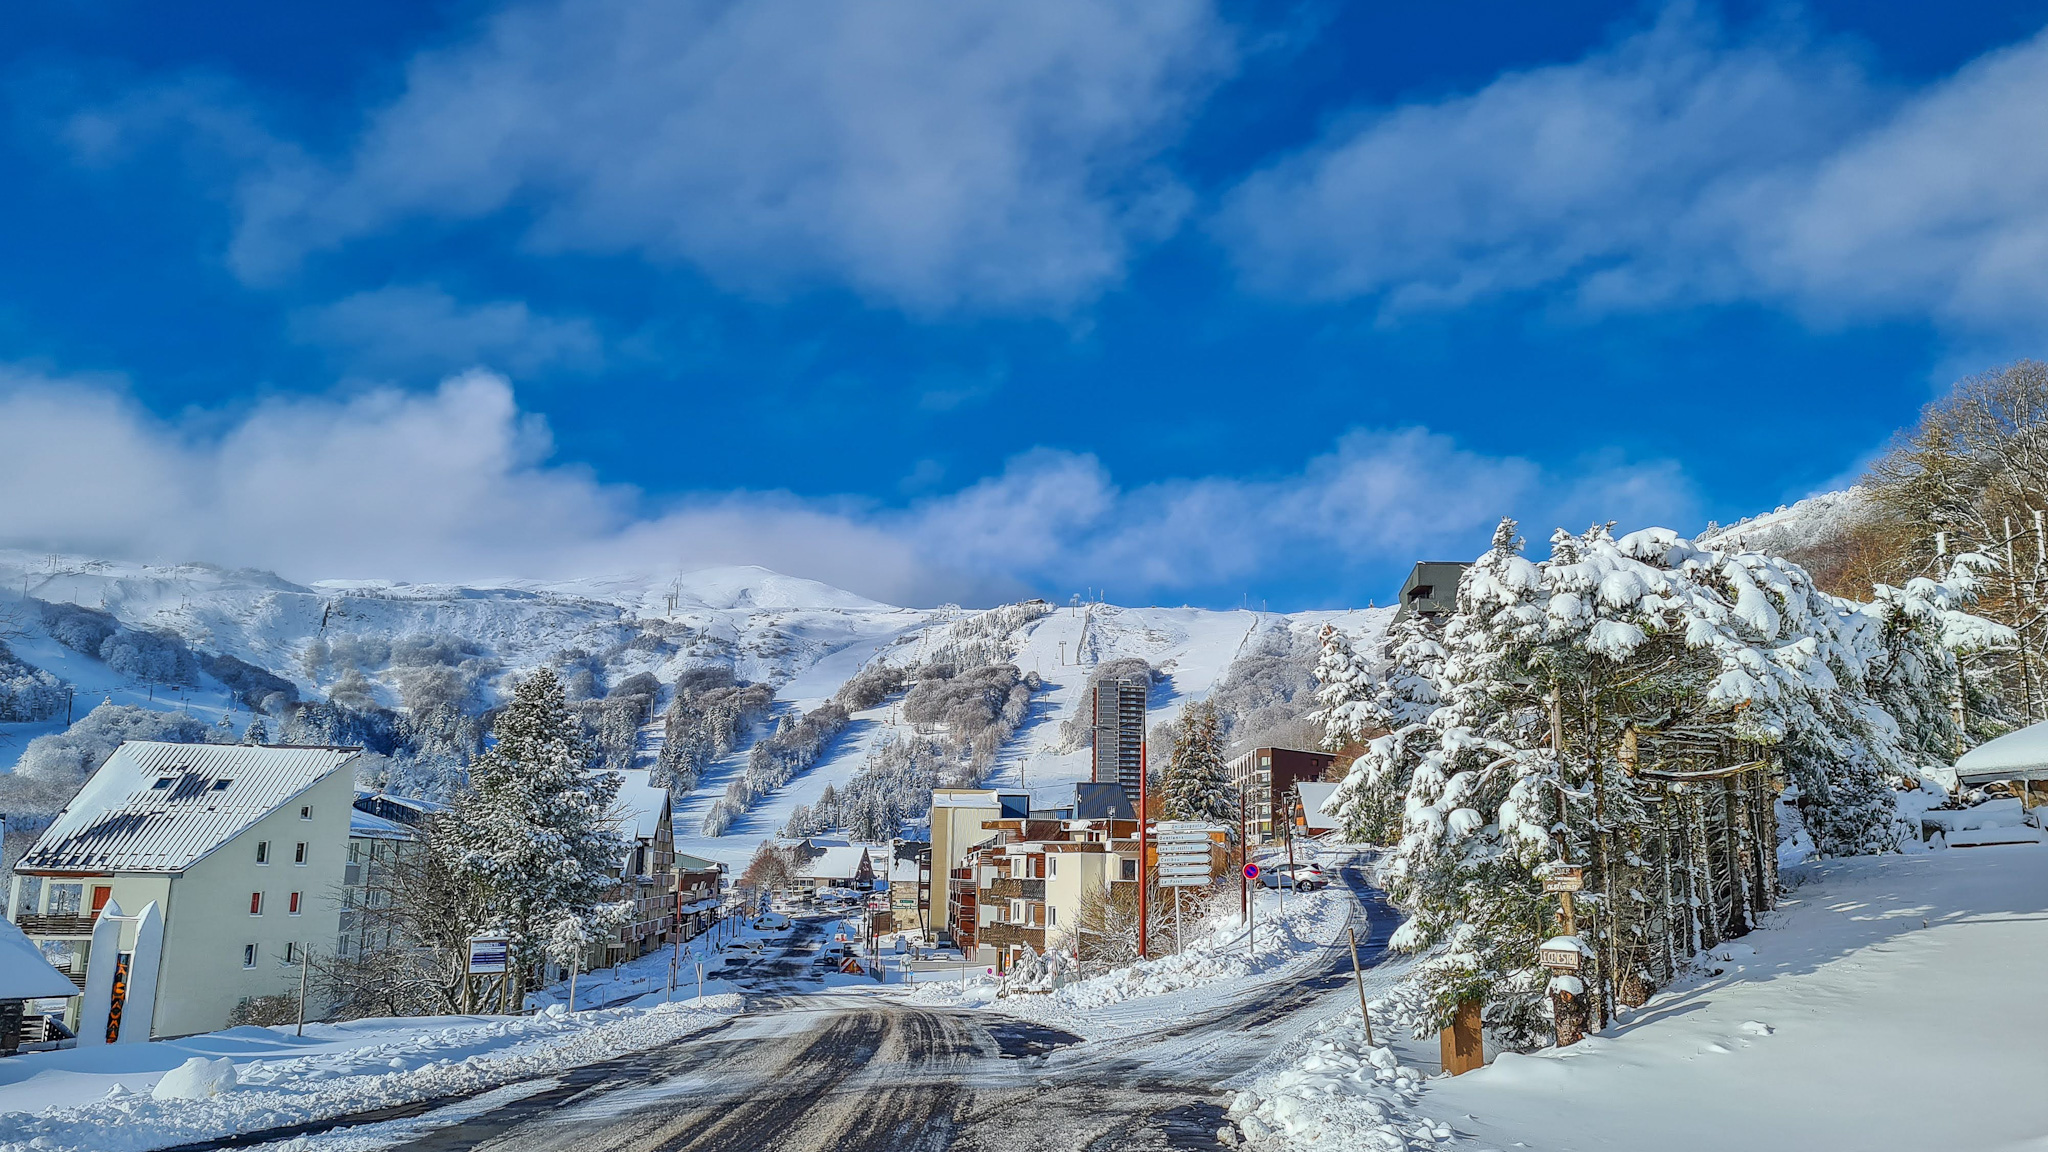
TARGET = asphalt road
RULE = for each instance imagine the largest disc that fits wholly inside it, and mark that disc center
(845, 1072)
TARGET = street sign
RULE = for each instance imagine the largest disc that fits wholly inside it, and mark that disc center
(1561, 953)
(1201, 838)
(488, 957)
(1189, 881)
(1251, 871)
(1565, 878)
(1188, 868)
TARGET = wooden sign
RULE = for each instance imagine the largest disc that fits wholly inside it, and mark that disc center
(1560, 959)
(1564, 878)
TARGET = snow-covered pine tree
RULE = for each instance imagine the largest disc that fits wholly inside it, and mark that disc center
(256, 732)
(1197, 783)
(1628, 703)
(1383, 703)
(536, 832)
(1344, 691)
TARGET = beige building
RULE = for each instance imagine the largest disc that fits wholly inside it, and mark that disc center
(241, 848)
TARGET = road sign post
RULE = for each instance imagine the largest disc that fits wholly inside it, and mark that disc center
(1251, 921)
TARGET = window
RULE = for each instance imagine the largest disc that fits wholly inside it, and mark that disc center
(263, 851)
(1130, 869)
(1052, 916)
(248, 955)
(299, 853)
(1052, 867)
(293, 910)
(1018, 915)
(67, 899)
(305, 811)
(255, 903)
(221, 785)
(164, 781)
(291, 953)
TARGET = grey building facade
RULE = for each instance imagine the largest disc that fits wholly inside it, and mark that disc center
(1119, 722)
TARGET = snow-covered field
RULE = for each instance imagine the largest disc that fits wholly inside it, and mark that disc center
(1888, 1004)
(106, 1099)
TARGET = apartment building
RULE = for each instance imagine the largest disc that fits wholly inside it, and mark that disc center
(240, 847)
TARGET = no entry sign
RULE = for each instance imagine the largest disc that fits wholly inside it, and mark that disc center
(1251, 871)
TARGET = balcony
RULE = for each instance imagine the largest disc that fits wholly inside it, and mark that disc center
(39, 925)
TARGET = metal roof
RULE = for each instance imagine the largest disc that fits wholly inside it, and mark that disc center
(160, 807)
(640, 804)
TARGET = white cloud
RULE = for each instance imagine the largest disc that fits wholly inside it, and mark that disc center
(458, 484)
(419, 329)
(1678, 165)
(926, 152)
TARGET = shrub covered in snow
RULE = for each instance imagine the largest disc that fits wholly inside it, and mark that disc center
(27, 693)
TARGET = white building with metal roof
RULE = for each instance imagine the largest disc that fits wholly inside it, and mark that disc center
(241, 848)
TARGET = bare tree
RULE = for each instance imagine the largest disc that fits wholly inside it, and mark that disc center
(407, 931)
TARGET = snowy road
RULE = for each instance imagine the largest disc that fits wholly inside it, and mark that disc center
(853, 1069)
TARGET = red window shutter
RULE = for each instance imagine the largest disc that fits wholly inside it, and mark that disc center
(255, 903)
(295, 904)
(100, 895)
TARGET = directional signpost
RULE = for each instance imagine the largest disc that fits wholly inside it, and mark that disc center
(1184, 862)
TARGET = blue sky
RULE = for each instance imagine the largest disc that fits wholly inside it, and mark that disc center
(1192, 303)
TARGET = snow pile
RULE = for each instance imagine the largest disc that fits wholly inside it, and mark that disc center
(1216, 956)
(196, 1079)
(1340, 1094)
(340, 1070)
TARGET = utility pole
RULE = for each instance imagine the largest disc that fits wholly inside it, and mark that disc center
(305, 962)
(1144, 796)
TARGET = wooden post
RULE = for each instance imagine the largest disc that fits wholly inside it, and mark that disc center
(1463, 1047)
(1358, 973)
(305, 962)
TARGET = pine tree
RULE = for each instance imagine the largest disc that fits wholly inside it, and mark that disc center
(256, 732)
(536, 834)
(1197, 783)
(1344, 691)
(1624, 705)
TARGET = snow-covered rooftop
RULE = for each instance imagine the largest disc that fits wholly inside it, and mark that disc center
(640, 804)
(24, 974)
(160, 807)
(836, 864)
(370, 826)
(2017, 755)
(1314, 794)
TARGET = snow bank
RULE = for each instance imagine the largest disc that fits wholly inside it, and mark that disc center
(196, 1079)
(162, 1094)
(1887, 1004)
(1217, 959)
(1340, 1094)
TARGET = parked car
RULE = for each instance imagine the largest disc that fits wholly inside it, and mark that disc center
(743, 949)
(1302, 877)
(772, 922)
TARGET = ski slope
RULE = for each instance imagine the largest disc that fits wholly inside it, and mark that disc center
(803, 638)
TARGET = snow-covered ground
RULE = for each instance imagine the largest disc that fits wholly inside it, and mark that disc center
(1295, 935)
(105, 1099)
(1888, 1004)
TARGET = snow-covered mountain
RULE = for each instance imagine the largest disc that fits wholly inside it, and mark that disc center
(802, 638)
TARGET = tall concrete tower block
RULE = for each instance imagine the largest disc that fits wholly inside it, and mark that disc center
(1120, 733)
